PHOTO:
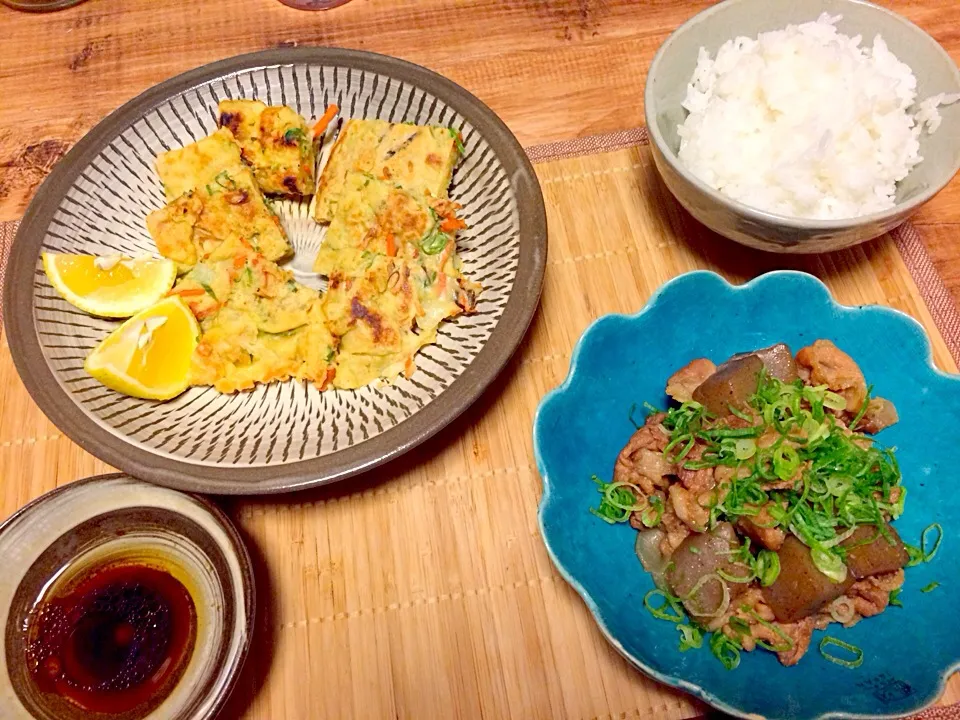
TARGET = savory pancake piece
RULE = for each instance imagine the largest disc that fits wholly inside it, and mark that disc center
(394, 276)
(414, 157)
(275, 141)
(257, 324)
(373, 217)
(373, 314)
(191, 227)
(200, 164)
(173, 230)
(444, 290)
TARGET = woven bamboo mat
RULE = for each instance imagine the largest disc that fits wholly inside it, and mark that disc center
(423, 590)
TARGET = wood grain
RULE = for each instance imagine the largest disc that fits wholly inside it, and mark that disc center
(552, 69)
(423, 590)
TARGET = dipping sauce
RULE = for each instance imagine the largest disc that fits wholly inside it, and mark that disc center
(115, 639)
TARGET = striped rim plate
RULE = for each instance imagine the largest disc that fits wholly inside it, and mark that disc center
(282, 436)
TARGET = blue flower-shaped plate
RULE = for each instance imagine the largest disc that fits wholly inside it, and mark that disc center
(622, 361)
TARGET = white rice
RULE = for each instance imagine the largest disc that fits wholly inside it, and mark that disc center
(804, 122)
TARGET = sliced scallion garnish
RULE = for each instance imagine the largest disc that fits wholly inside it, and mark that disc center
(725, 650)
(690, 637)
(787, 640)
(921, 554)
(829, 563)
(853, 649)
(669, 601)
(768, 567)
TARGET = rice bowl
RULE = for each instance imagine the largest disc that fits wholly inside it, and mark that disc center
(779, 229)
(805, 122)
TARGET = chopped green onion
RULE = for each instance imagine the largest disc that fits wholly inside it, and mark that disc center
(675, 459)
(788, 641)
(434, 241)
(749, 432)
(669, 601)
(932, 586)
(745, 448)
(621, 496)
(928, 556)
(457, 140)
(863, 409)
(618, 501)
(224, 180)
(293, 134)
(734, 578)
(833, 542)
(768, 567)
(786, 462)
(920, 554)
(813, 478)
(690, 637)
(740, 414)
(694, 550)
(655, 504)
(208, 290)
(834, 401)
(829, 563)
(895, 600)
(853, 649)
(725, 650)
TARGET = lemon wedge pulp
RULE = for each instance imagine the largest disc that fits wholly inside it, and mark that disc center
(149, 355)
(112, 286)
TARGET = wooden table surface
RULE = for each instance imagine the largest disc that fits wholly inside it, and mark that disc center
(552, 69)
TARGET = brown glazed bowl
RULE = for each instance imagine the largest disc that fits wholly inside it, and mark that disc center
(666, 88)
(114, 517)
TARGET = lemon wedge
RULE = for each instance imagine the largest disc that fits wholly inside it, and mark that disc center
(149, 355)
(110, 286)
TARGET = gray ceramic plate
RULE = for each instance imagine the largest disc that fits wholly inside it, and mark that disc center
(289, 435)
(111, 517)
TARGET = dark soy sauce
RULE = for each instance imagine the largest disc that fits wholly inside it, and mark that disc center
(117, 638)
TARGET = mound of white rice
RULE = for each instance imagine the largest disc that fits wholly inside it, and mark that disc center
(804, 122)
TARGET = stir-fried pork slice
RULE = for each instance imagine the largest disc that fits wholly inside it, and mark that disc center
(641, 462)
(880, 414)
(758, 529)
(684, 381)
(687, 507)
(823, 363)
(872, 595)
(700, 480)
(799, 634)
(676, 531)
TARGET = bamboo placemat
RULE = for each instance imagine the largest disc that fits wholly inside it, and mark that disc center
(423, 590)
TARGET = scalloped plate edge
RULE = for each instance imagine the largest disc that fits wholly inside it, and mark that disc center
(545, 500)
